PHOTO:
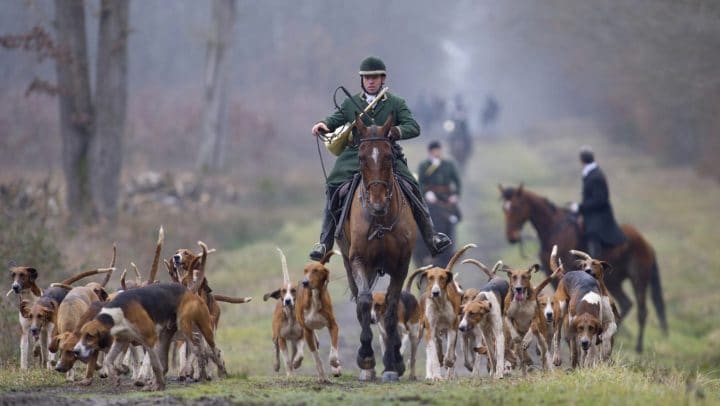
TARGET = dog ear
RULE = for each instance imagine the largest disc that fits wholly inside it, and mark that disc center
(598, 339)
(449, 277)
(102, 294)
(274, 295)
(33, 274)
(534, 268)
(520, 189)
(54, 344)
(606, 267)
(24, 308)
(104, 340)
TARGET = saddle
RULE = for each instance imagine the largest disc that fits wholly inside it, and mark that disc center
(342, 200)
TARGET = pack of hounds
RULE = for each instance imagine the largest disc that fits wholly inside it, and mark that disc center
(135, 330)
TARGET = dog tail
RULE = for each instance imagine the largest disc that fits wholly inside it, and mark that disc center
(73, 279)
(230, 299)
(112, 266)
(408, 285)
(201, 274)
(156, 260)
(657, 296)
(481, 266)
(122, 280)
(138, 276)
(457, 256)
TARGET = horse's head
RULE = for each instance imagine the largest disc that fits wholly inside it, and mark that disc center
(516, 209)
(376, 164)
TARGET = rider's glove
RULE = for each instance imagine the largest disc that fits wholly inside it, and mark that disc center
(574, 207)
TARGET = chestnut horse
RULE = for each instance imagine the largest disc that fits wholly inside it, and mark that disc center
(635, 259)
(378, 239)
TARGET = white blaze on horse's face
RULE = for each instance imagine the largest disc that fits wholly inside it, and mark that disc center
(507, 205)
(375, 154)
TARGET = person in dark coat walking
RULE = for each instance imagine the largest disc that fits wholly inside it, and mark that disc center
(601, 229)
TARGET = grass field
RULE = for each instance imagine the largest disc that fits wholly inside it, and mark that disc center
(675, 209)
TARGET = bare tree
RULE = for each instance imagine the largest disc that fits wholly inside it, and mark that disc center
(110, 106)
(75, 108)
(217, 67)
(92, 134)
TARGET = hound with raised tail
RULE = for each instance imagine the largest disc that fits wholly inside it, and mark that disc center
(581, 304)
(151, 315)
(610, 314)
(482, 319)
(441, 305)
(314, 312)
(287, 333)
(523, 315)
(409, 324)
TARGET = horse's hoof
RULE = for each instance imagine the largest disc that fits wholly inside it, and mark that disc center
(390, 376)
(367, 375)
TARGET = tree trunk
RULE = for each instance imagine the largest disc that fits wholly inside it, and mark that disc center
(76, 115)
(214, 118)
(110, 106)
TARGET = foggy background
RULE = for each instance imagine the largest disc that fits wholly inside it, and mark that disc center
(645, 70)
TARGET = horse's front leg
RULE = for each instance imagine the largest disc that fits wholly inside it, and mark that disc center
(365, 356)
(392, 358)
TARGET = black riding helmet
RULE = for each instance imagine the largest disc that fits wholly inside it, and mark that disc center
(371, 66)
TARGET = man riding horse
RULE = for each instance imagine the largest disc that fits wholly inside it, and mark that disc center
(372, 79)
(441, 186)
(601, 229)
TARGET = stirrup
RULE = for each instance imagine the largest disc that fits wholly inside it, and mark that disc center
(318, 252)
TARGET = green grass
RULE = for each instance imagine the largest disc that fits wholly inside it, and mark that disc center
(671, 206)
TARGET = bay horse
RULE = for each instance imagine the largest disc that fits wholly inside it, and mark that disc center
(378, 238)
(635, 259)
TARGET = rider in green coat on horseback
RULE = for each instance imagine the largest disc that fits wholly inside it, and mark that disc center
(372, 74)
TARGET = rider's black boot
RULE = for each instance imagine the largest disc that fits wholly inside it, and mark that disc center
(327, 232)
(436, 242)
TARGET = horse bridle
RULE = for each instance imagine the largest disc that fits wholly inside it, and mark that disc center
(378, 230)
(389, 188)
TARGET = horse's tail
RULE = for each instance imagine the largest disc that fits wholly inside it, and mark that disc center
(657, 295)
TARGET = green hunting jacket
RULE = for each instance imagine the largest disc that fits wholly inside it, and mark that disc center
(445, 174)
(347, 163)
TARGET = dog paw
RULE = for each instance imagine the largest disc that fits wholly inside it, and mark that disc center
(336, 371)
(276, 367)
(85, 382)
(139, 383)
(334, 362)
(557, 360)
